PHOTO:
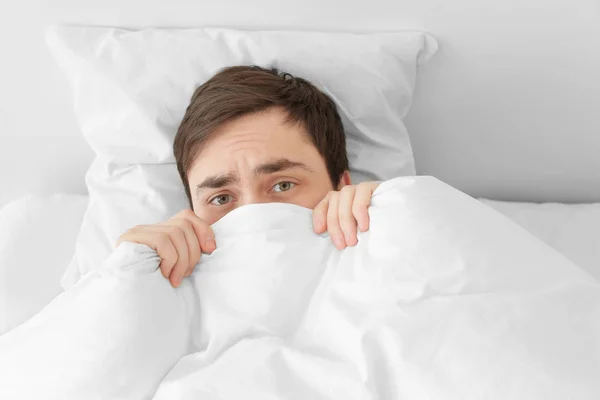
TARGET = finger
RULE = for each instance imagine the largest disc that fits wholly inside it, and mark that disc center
(192, 242)
(156, 240)
(132, 235)
(360, 206)
(333, 224)
(203, 231)
(320, 215)
(161, 242)
(179, 242)
(346, 218)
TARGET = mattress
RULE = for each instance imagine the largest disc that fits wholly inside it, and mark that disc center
(35, 230)
(571, 229)
(50, 224)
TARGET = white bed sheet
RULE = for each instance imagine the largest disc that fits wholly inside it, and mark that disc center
(572, 229)
(49, 224)
(52, 222)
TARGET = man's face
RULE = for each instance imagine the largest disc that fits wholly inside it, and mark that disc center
(258, 158)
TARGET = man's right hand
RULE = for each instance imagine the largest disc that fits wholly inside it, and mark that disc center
(179, 242)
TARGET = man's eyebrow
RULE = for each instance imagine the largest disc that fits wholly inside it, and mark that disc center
(279, 165)
(216, 182)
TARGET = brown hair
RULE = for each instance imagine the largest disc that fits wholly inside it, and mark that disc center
(240, 90)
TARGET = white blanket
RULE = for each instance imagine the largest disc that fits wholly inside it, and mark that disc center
(443, 298)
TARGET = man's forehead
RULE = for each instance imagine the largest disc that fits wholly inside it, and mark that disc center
(259, 167)
(235, 152)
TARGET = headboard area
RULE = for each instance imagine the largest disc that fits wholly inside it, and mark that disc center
(508, 109)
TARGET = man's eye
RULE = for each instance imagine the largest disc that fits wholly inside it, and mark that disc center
(283, 186)
(221, 200)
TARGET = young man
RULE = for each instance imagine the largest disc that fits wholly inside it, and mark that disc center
(252, 135)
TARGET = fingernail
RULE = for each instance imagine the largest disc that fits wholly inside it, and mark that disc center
(210, 242)
(349, 240)
(318, 223)
(339, 242)
(177, 281)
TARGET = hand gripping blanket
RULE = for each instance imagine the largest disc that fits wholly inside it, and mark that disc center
(443, 298)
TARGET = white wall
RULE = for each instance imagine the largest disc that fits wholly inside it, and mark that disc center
(508, 109)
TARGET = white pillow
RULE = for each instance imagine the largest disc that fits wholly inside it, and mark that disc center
(131, 90)
(37, 240)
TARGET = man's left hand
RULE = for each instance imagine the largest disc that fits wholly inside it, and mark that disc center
(342, 212)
